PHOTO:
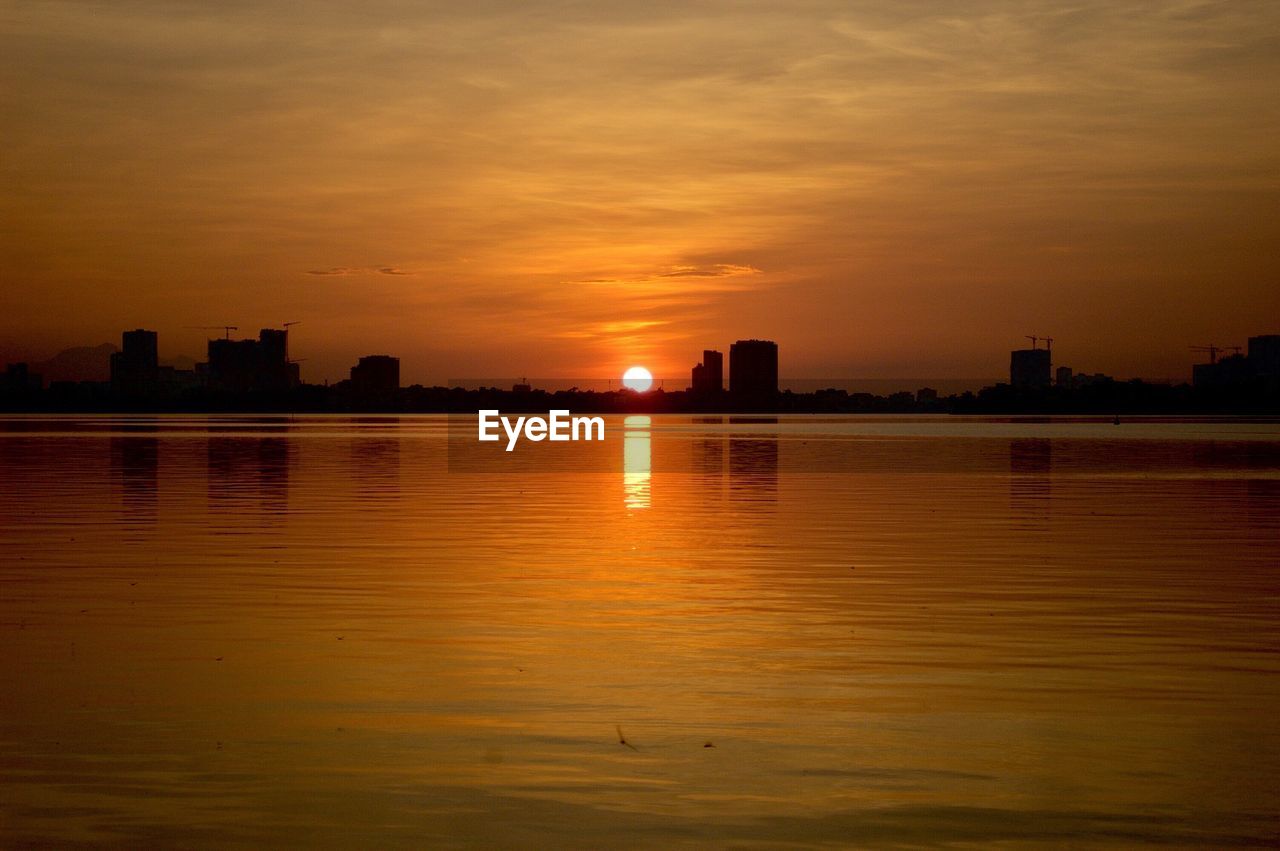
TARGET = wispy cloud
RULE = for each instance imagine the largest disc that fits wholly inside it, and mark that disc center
(360, 270)
(715, 270)
(705, 270)
(611, 329)
(852, 179)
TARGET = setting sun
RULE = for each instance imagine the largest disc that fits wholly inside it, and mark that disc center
(637, 378)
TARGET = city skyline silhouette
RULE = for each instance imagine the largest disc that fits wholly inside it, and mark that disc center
(583, 424)
(885, 191)
(260, 374)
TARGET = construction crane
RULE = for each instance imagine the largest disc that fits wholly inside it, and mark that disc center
(227, 329)
(1048, 341)
(1214, 350)
(286, 338)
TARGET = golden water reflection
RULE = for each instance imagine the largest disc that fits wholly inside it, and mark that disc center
(637, 461)
(270, 633)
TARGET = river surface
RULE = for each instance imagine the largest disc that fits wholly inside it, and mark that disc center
(728, 632)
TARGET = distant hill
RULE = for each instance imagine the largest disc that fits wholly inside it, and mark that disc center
(81, 363)
(92, 363)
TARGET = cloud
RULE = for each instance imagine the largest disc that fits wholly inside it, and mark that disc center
(906, 167)
(360, 270)
(714, 270)
(705, 270)
(612, 329)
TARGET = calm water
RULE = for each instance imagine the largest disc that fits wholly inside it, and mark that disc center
(893, 632)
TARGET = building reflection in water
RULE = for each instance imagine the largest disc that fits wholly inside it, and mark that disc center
(244, 470)
(708, 451)
(636, 462)
(1030, 468)
(753, 464)
(135, 462)
(375, 465)
(273, 474)
(1262, 491)
(1262, 509)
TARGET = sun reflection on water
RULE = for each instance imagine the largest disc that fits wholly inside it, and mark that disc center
(636, 462)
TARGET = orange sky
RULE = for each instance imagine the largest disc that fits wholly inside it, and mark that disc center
(500, 188)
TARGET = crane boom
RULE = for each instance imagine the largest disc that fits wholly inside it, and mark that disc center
(227, 329)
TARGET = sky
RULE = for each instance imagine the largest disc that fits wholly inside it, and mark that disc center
(563, 189)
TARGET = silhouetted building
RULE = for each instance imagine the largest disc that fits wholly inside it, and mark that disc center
(714, 363)
(708, 376)
(900, 400)
(233, 365)
(1029, 367)
(376, 375)
(1225, 372)
(141, 347)
(1084, 379)
(174, 382)
(252, 366)
(18, 378)
(135, 369)
(753, 369)
(274, 345)
(1264, 355)
(926, 394)
(1062, 376)
(1259, 369)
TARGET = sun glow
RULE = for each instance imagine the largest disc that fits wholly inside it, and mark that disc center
(637, 378)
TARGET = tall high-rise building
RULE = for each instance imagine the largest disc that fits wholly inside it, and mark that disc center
(1260, 368)
(253, 366)
(714, 363)
(708, 376)
(753, 369)
(276, 373)
(141, 347)
(1264, 355)
(18, 379)
(233, 365)
(135, 369)
(274, 345)
(376, 375)
(1029, 367)
(1233, 370)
